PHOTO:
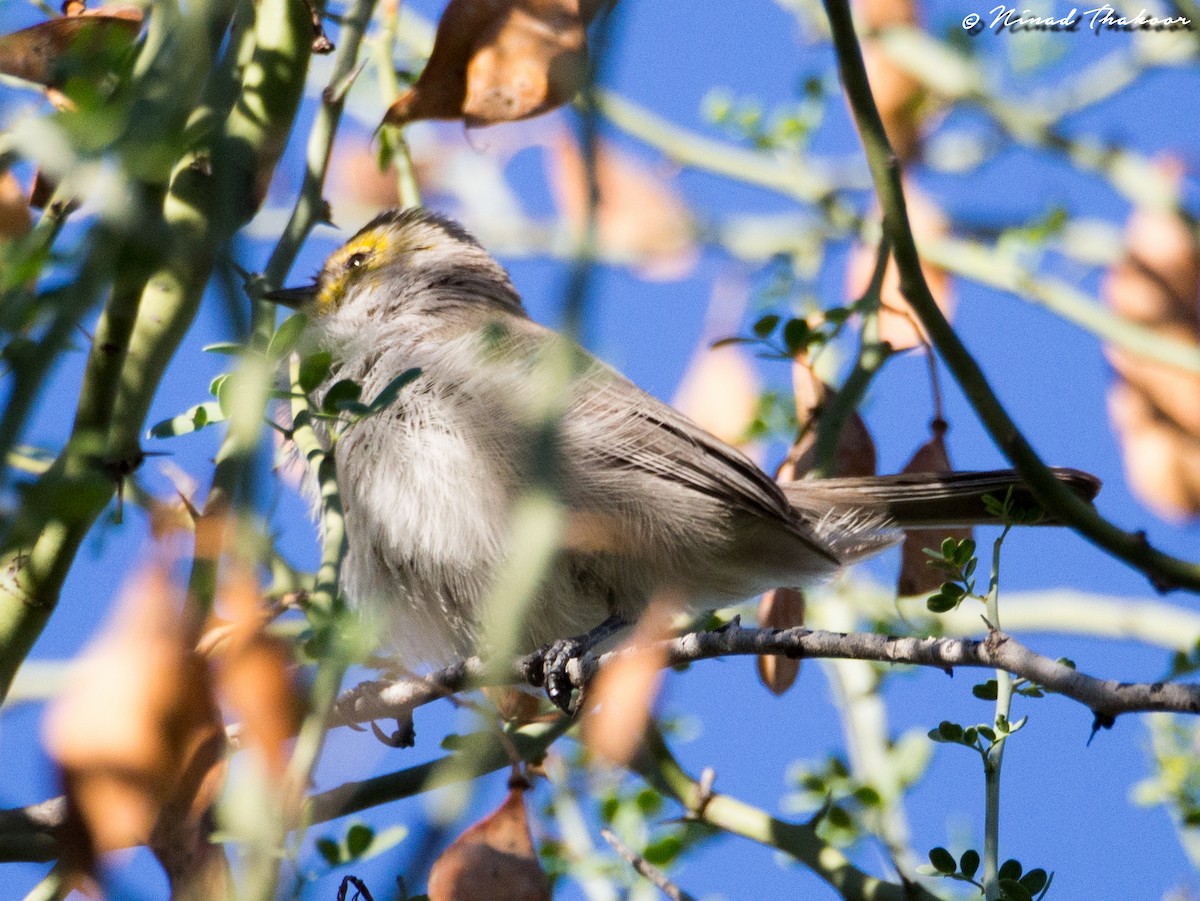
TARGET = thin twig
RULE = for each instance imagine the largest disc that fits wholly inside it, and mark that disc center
(647, 869)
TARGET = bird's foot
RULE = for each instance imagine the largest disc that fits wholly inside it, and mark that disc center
(548, 666)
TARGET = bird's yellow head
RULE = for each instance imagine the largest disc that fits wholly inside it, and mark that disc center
(401, 256)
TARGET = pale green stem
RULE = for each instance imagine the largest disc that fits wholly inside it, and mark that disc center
(994, 757)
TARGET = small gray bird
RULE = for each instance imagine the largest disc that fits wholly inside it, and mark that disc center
(652, 503)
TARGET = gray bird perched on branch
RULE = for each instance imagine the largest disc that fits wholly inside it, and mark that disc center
(649, 502)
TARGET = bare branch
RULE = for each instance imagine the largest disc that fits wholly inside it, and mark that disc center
(1106, 698)
(647, 869)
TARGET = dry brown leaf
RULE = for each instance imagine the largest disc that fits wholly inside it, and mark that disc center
(1155, 407)
(136, 733)
(1162, 462)
(34, 53)
(499, 61)
(898, 324)
(14, 208)
(494, 860)
(916, 575)
(855, 454)
(254, 675)
(782, 608)
(898, 96)
(638, 213)
(1157, 284)
(513, 704)
(719, 390)
(621, 698)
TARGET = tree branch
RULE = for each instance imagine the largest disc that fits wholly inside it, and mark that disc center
(1165, 571)
(1106, 698)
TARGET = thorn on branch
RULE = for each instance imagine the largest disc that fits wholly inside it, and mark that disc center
(1100, 721)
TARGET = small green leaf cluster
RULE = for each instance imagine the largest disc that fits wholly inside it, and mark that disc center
(286, 338)
(788, 127)
(343, 402)
(628, 813)
(780, 338)
(840, 800)
(1012, 513)
(974, 737)
(1176, 780)
(1184, 663)
(988, 691)
(1014, 883)
(956, 559)
(359, 842)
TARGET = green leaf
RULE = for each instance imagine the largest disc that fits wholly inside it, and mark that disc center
(1010, 869)
(765, 325)
(225, 348)
(986, 732)
(341, 395)
(313, 370)
(609, 808)
(387, 396)
(358, 839)
(950, 731)
(287, 336)
(796, 335)
(838, 817)
(867, 796)
(942, 860)
(986, 691)
(1035, 880)
(1011, 890)
(187, 422)
(330, 851)
(648, 801)
(663, 850)
(968, 864)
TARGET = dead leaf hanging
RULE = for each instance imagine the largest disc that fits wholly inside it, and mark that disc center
(898, 324)
(136, 733)
(916, 575)
(494, 859)
(36, 53)
(782, 608)
(639, 215)
(499, 61)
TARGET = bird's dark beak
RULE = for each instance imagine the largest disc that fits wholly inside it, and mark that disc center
(296, 298)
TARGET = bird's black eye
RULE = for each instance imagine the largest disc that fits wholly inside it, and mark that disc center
(356, 260)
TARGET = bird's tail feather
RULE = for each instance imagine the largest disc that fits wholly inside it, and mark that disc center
(925, 500)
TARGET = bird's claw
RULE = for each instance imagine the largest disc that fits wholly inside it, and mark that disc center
(548, 668)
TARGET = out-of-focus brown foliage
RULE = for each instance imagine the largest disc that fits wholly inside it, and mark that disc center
(900, 97)
(916, 575)
(254, 675)
(14, 208)
(499, 61)
(621, 698)
(1156, 407)
(855, 456)
(719, 390)
(138, 736)
(898, 324)
(494, 859)
(638, 213)
(35, 53)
